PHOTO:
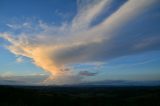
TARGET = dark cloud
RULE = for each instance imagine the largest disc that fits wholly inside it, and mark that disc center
(87, 73)
(123, 83)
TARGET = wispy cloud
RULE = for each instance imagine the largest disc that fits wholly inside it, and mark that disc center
(9, 78)
(122, 33)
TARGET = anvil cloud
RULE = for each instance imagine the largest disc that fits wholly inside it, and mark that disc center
(80, 41)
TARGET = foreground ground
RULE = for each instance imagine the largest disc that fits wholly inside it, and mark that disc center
(79, 96)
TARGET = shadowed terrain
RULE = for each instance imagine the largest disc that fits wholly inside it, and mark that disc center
(79, 96)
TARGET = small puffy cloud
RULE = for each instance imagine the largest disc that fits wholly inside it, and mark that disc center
(19, 60)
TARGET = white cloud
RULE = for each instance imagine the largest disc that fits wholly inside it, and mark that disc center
(87, 13)
(19, 60)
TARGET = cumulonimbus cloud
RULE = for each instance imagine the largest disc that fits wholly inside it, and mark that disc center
(122, 33)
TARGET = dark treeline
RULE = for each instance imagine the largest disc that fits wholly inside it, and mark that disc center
(79, 96)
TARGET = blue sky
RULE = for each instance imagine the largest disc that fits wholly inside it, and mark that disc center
(69, 41)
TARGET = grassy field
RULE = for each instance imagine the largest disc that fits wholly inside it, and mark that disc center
(79, 96)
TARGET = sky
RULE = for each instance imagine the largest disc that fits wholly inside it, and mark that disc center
(58, 42)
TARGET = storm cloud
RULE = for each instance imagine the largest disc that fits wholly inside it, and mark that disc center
(120, 33)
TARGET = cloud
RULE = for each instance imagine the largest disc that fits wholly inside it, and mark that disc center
(87, 73)
(9, 78)
(19, 60)
(62, 79)
(124, 83)
(18, 26)
(128, 30)
(88, 11)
